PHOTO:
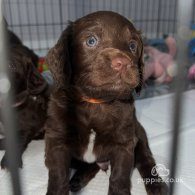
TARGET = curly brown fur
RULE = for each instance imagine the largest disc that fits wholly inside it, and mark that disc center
(97, 65)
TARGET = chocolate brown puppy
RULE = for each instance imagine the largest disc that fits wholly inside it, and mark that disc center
(30, 94)
(97, 66)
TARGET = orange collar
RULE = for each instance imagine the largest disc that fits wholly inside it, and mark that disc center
(93, 100)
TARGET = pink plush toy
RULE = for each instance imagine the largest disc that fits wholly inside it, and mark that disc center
(171, 44)
(191, 72)
(159, 65)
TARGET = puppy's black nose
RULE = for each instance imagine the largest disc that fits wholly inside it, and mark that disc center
(118, 63)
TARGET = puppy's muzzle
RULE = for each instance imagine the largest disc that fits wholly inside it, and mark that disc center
(119, 63)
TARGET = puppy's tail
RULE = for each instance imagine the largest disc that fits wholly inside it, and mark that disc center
(2, 144)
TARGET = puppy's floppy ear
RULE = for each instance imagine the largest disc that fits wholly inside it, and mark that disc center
(35, 81)
(141, 69)
(58, 58)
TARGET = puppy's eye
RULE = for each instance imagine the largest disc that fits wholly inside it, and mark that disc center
(91, 41)
(133, 46)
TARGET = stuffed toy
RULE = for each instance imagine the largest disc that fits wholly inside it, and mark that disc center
(158, 43)
(166, 44)
(171, 44)
(42, 66)
(158, 65)
(43, 69)
(191, 56)
(191, 73)
(191, 51)
(193, 30)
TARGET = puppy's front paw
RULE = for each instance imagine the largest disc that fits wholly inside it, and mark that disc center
(82, 177)
(75, 184)
(157, 188)
(79, 181)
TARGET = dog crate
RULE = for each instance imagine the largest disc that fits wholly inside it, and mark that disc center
(39, 23)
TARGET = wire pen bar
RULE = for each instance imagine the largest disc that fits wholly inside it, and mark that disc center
(40, 22)
(7, 115)
(153, 17)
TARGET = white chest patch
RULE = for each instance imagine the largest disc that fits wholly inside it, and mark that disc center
(88, 155)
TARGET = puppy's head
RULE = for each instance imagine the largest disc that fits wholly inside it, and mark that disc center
(100, 55)
(23, 73)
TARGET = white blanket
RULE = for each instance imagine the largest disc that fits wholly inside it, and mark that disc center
(156, 116)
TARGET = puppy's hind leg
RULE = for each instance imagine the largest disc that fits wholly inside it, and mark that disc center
(84, 173)
(145, 162)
